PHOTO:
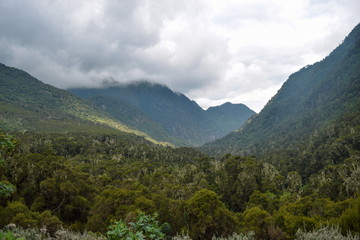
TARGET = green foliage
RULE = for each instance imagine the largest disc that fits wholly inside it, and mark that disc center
(83, 181)
(6, 189)
(109, 204)
(19, 214)
(256, 220)
(167, 229)
(350, 218)
(267, 201)
(8, 235)
(207, 216)
(118, 230)
(7, 144)
(241, 176)
(145, 227)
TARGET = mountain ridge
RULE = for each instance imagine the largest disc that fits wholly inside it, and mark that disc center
(149, 110)
(311, 100)
(178, 116)
(28, 104)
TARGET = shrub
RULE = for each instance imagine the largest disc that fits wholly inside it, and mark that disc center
(146, 227)
(13, 232)
(325, 233)
(234, 236)
(237, 236)
(350, 218)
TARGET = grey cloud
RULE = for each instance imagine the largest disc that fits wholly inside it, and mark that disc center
(187, 45)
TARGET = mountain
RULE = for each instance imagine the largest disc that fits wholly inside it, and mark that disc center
(145, 109)
(132, 117)
(176, 114)
(228, 116)
(315, 108)
(27, 104)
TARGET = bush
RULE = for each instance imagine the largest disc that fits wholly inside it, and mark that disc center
(237, 236)
(146, 227)
(9, 236)
(234, 236)
(350, 218)
(19, 214)
(13, 232)
(324, 233)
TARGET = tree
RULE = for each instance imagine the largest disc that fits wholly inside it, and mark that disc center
(350, 218)
(256, 220)
(18, 213)
(7, 144)
(207, 216)
(240, 179)
(113, 203)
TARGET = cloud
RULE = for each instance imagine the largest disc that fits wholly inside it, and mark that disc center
(213, 51)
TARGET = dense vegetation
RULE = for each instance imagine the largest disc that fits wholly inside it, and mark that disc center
(84, 181)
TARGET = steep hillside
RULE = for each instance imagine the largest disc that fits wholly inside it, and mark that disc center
(132, 117)
(177, 115)
(28, 104)
(312, 101)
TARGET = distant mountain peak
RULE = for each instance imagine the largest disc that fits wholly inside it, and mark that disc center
(228, 106)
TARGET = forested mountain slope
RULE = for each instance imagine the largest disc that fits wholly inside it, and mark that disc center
(321, 101)
(228, 116)
(27, 104)
(177, 115)
(132, 117)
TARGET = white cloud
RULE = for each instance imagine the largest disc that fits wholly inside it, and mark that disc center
(213, 51)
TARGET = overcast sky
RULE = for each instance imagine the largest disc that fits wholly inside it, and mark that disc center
(213, 51)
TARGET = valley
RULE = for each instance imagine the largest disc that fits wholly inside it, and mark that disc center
(77, 160)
